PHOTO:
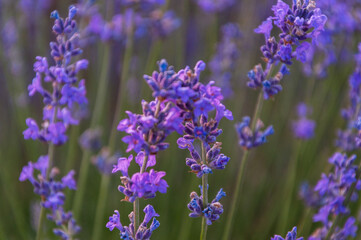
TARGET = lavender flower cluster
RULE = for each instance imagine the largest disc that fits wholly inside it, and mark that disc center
(144, 17)
(62, 108)
(181, 103)
(349, 138)
(65, 104)
(331, 196)
(344, 22)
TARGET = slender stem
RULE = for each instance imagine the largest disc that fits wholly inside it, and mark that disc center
(142, 169)
(40, 224)
(103, 196)
(97, 113)
(237, 190)
(99, 104)
(288, 190)
(50, 164)
(204, 195)
(240, 174)
(112, 139)
(346, 202)
(136, 201)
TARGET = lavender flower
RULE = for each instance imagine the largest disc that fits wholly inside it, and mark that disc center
(68, 92)
(51, 191)
(141, 17)
(223, 63)
(332, 191)
(344, 22)
(58, 114)
(349, 139)
(211, 211)
(303, 128)
(290, 236)
(127, 232)
(298, 23)
(250, 139)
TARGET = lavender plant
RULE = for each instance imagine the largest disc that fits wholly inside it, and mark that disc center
(298, 23)
(62, 105)
(332, 194)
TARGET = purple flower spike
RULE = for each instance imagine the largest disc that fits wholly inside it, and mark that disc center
(61, 110)
(290, 236)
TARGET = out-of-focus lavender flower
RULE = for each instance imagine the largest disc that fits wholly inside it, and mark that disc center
(303, 128)
(143, 232)
(212, 6)
(144, 18)
(158, 24)
(344, 21)
(68, 93)
(348, 139)
(91, 140)
(210, 211)
(331, 193)
(290, 236)
(297, 23)
(223, 63)
(250, 139)
(33, 8)
(104, 161)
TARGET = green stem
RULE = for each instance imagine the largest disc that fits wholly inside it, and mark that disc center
(204, 195)
(103, 195)
(240, 174)
(99, 104)
(112, 139)
(97, 113)
(290, 186)
(50, 164)
(237, 190)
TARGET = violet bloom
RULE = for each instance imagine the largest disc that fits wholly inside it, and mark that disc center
(140, 185)
(344, 22)
(210, 211)
(297, 23)
(197, 108)
(249, 138)
(61, 107)
(332, 190)
(68, 93)
(127, 232)
(51, 191)
(290, 236)
(349, 138)
(303, 128)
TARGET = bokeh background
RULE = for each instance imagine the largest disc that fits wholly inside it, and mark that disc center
(25, 29)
